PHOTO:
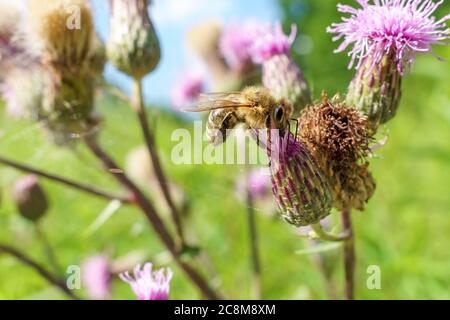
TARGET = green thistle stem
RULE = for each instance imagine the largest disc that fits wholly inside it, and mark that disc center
(323, 235)
(254, 246)
(139, 108)
(349, 256)
(73, 184)
(49, 252)
(152, 216)
(47, 275)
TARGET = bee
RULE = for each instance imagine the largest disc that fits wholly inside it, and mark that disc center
(254, 107)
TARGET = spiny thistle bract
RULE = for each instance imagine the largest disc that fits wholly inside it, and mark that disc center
(386, 36)
(30, 198)
(300, 188)
(281, 75)
(338, 138)
(61, 31)
(133, 46)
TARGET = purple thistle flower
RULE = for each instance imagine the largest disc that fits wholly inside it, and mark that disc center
(386, 36)
(257, 182)
(281, 75)
(236, 42)
(148, 284)
(187, 89)
(97, 277)
(272, 41)
(401, 27)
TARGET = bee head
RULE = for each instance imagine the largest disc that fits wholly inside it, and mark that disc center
(280, 114)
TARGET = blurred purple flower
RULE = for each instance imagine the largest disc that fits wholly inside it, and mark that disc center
(187, 89)
(272, 41)
(257, 182)
(236, 41)
(148, 284)
(97, 277)
(400, 27)
(280, 74)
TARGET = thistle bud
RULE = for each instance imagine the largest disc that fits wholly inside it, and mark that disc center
(281, 75)
(63, 31)
(338, 138)
(30, 198)
(301, 190)
(133, 45)
(376, 90)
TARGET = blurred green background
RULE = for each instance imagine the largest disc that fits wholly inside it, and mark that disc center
(405, 229)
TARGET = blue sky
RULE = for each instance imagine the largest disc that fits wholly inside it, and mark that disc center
(172, 19)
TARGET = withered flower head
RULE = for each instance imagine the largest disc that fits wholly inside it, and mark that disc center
(68, 106)
(336, 131)
(62, 31)
(338, 137)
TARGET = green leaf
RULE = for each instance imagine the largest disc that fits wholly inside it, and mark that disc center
(319, 248)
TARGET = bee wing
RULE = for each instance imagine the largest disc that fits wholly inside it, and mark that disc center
(212, 101)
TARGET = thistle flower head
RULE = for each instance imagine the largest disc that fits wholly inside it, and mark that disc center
(256, 182)
(236, 42)
(61, 31)
(338, 137)
(300, 188)
(187, 89)
(336, 131)
(30, 198)
(271, 41)
(11, 44)
(148, 284)
(399, 27)
(97, 277)
(204, 38)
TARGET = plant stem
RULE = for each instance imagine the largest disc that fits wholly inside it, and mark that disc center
(73, 184)
(349, 255)
(39, 269)
(323, 235)
(148, 209)
(48, 250)
(139, 108)
(253, 236)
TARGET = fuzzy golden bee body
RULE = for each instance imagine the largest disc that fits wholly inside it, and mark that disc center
(254, 107)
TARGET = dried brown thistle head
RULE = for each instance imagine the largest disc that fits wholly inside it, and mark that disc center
(338, 137)
(338, 132)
